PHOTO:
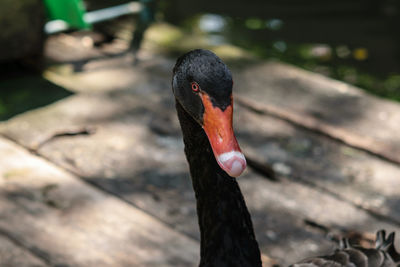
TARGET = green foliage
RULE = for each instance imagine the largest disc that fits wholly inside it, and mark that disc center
(20, 94)
(336, 61)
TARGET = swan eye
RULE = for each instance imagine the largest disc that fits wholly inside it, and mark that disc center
(195, 87)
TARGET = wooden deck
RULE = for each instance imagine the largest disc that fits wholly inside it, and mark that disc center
(99, 178)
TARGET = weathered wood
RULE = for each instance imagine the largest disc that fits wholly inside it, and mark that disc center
(366, 143)
(137, 154)
(15, 256)
(280, 209)
(321, 104)
(73, 224)
(343, 172)
(140, 158)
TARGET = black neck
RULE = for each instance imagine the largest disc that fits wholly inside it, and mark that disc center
(227, 235)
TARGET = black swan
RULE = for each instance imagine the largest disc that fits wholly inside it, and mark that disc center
(202, 85)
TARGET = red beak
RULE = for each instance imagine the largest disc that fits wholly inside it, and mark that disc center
(218, 126)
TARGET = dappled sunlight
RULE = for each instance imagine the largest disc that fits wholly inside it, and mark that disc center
(76, 223)
(345, 172)
(93, 169)
(286, 217)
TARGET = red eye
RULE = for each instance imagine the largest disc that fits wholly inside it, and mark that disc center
(195, 87)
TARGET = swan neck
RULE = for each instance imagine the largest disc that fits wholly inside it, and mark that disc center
(227, 235)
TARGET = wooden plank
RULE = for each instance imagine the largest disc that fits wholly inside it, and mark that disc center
(13, 255)
(279, 211)
(141, 159)
(366, 143)
(136, 152)
(321, 104)
(74, 224)
(163, 189)
(346, 173)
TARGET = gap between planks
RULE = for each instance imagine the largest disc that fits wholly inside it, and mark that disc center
(303, 121)
(81, 177)
(366, 144)
(266, 260)
(32, 250)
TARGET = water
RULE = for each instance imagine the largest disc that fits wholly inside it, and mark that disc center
(356, 44)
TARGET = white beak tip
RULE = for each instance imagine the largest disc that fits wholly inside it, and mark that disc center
(233, 163)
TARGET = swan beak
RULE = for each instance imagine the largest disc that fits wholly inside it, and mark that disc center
(218, 126)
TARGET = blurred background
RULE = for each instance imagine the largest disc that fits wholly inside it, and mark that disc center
(92, 154)
(352, 41)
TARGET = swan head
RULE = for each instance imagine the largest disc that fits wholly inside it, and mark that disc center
(202, 84)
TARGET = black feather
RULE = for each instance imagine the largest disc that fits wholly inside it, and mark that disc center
(227, 235)
(383, 255)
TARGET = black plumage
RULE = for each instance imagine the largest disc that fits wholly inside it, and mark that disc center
(383, 255)
(227, 235)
